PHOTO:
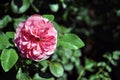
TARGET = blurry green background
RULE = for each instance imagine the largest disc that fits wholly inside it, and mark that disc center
(96, 22)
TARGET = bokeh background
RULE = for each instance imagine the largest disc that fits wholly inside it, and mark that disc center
(96, 22)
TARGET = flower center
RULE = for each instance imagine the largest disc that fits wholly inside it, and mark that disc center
(39, 39)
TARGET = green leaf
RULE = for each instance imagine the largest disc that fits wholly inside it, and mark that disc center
(4, 41)
(57, 26)
(14, 7)
(109, 57)
(70, 41)
(77, 62)
(22, 76)
(8, 59)
(28, 62)
(68, 67)
(17, 21)
(56, 69)
(25, 5)
(116, 55)
(66, 53)
(49, 16)
(108, 68)
(64, 60)
(61, 29)
(44, 65)
(37, 77)
(54, 7)
(101, 64)
(89, 64)
(6, 19)
(10, 34)
(64, 77)
(118, 12)
(77, 53)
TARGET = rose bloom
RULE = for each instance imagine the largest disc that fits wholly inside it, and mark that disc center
(36, 38)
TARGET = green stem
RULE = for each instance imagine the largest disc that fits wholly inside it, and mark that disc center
(100, 70)
(34, 8)
(81, 74)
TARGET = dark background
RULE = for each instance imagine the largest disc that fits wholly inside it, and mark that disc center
(96, 22)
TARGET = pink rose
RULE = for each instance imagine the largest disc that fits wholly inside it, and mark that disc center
(36, 38)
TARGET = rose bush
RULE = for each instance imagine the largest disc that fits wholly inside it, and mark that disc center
(36, 38)
(35, 41)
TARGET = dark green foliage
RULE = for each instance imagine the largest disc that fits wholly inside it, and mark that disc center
(96, 22)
